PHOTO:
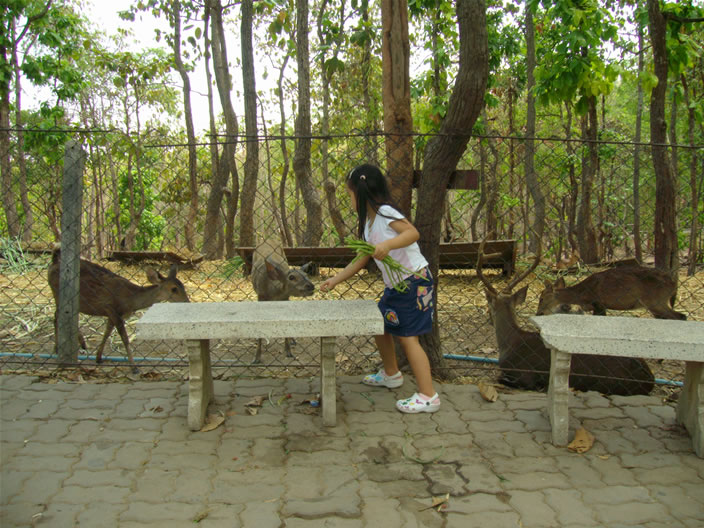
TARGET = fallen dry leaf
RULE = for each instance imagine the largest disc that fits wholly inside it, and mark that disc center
(488, 391)
(252, 410)
(439, 503)
(212, 421)
(257, 401)
(583, 441)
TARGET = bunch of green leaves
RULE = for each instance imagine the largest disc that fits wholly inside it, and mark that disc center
(12, 254)
(393, 268)
(232, 266)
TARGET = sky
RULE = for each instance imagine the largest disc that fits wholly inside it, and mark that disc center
(104, 14)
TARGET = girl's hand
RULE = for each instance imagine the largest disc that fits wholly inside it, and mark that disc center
(381, 250)
(327, 285)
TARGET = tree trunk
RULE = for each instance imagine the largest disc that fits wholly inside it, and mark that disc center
(370, 124)
(532, 183)
(28, 221)
(586, 236)
(574, 187)
(251, 163)
(483, 190)
(285, 161)
(398, 123)
(694, 186)
(211, 247)
(214, 155)
(444, 151)
(637, 244)
(666, 257)
(511, 158)
(301, 159)
(329, 187)
(190, 132)
(8, 193)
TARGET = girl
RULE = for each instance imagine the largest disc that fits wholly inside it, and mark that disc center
(406, 315)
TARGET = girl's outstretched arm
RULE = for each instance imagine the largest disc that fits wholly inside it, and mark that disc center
(349, 271)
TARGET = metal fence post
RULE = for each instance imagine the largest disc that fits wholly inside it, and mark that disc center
(67, 338)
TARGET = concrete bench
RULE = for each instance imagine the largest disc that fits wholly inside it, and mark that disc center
(630, 337)
(198, 323)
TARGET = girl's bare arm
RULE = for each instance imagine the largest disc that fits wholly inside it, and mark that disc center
(351, 269)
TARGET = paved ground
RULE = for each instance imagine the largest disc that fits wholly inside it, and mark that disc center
(102, 455)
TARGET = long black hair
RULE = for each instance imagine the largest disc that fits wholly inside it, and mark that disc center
(369, 186)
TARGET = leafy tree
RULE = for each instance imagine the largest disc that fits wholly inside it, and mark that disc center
(573, 68)
(49, 38)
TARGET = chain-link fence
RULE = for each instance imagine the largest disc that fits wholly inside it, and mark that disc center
(145, 206)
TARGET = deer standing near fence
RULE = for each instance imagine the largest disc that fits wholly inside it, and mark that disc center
(621, 288)
(274, 280)
(524, 359)
(106, 294)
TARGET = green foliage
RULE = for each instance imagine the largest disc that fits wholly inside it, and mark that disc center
(12, 257)
(232, 267)
(570, 38)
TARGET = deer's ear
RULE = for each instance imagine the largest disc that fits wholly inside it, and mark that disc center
(520, 295)
(559, 283)
(173, 271)
(153, 276)
(273, 271)
(308, 268)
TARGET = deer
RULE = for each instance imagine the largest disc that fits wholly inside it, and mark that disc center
(105, 294)
(524, 360)
(620, 288)
(273, 280)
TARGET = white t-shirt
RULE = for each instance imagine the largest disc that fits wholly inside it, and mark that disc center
(380, 230)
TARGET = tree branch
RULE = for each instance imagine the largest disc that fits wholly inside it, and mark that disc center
(33, 18)
(671, 16)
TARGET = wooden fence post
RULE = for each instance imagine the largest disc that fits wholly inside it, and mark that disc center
(67, 338)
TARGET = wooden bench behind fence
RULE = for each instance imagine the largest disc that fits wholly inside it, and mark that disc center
(459, 255)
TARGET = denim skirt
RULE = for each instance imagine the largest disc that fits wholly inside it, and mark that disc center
(409, 313)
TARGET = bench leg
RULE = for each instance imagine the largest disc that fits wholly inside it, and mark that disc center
(690, 407)
(558, 396)
(327, 380)
(200, 382)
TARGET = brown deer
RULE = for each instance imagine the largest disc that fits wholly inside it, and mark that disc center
(524, 359)
(620, 288)
(273, 280)
(106, 294)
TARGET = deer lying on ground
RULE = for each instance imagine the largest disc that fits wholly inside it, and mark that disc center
(273, 280)
(621, 288)
(106, 294)
(524, 359)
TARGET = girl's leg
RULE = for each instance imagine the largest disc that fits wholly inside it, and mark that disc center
(385, 344)
(420, 365)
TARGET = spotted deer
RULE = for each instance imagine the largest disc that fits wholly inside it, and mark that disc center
(273, 280)
(524, 359)
(106, 294)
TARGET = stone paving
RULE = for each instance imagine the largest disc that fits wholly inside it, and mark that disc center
(103, 455)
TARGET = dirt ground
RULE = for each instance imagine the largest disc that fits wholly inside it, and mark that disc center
(27, 309)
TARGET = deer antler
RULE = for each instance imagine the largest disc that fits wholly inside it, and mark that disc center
(480, 258)
(517, 279)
